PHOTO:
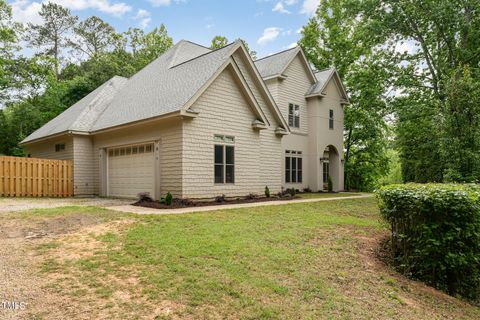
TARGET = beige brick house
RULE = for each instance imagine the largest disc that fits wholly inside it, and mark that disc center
(198, 123)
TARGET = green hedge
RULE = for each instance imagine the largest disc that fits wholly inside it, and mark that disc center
(436, 233)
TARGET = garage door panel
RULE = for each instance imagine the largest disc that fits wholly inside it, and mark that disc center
(130, 174)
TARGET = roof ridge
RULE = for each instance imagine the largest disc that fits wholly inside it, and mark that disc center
(325, 69)
(276, 53)
(206, 53)
(197, 44)
(99, 98)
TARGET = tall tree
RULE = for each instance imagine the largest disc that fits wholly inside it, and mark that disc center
(8, 48)
(443, 38)
(335, 38)
(134, 39)
(53, 33)
(218, 42)
(154, 43)
(94, 36)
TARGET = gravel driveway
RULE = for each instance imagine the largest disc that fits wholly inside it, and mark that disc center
(21, 204)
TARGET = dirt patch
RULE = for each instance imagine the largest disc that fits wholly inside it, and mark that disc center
(25, 293)
(69, 292)
(19, 228)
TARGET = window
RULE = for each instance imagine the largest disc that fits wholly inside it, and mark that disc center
(330, 119)
(294, 115)
(325, 172)
(59, 147)
(127, 151)
(293, 166)
(224, 163)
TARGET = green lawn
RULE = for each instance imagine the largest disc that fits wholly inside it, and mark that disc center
(308, 261)
(327, 195)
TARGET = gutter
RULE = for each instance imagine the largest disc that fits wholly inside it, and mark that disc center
(125, 125)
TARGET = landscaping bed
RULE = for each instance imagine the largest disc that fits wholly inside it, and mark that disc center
(185, 203)
(288, 194)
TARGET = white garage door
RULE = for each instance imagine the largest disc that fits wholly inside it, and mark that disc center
(131, 170)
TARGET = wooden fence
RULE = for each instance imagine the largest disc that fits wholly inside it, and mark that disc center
(32, 177)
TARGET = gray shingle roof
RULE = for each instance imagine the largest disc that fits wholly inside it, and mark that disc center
(82, 114)
(157, 89)
(322, 78)
(275, 63)
(163, 86)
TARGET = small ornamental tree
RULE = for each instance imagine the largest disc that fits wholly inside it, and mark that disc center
(168, 199)
(267, 192)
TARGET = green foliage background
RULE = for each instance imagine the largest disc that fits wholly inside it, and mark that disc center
(411, 68)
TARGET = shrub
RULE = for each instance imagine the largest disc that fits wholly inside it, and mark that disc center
(251, 196)
(144, 197)
(436, 234)
(168, 199)
(307, 190)
(220, 198)
(267, 192)
(292, 192)
(330, 184)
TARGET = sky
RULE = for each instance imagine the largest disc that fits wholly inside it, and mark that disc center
(268, 26)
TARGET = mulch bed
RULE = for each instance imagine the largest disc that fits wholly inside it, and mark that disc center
(183, 203)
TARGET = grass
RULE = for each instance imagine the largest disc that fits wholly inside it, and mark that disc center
(309, 261)
(320, 195)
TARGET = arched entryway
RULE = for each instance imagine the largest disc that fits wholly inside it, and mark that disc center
(330, 165)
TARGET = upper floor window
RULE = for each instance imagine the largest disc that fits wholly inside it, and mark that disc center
(294, 115)
(59, 147)
(330, 119)
(224, 159)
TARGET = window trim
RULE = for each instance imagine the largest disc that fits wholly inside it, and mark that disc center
(294, 120)
(293, 172)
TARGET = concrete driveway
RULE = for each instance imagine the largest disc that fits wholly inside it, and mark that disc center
(21, 204)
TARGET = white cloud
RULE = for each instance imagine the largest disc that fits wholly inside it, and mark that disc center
(158, 3)
(144, 17)
(279, 7)
(24, 11)
(145, 22)
(269, 35)
(116, 9)
(142, 13)
(287, 32)
(292, 45)
(299, 30)
(27, 11)
(165, 3)
(309, 7)
(290, 2)
(209, 26)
